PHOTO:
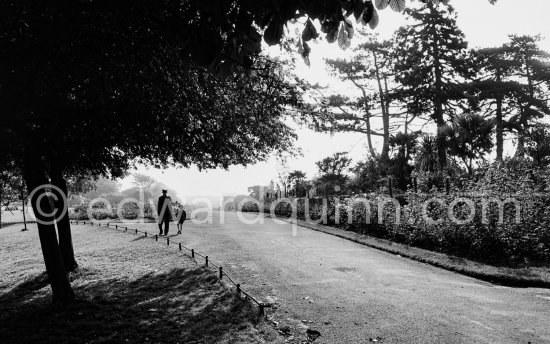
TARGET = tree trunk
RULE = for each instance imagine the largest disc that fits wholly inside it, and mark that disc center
(441, 141)
(367, 118)
(369, 137)
(63, 222)
(386, 137)
(499, 120)
(369, 130)
(524, 120)
(35, 176)
(385, 116)
(23, 206)
(499, 130)
(438, 101)
(520, 149)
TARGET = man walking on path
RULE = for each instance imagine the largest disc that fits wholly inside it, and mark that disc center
(164, 210)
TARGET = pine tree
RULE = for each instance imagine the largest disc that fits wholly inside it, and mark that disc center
(351, 114)
(534, 73)
(432, 64)
(496, 90)
(383, 73)
(370, 71)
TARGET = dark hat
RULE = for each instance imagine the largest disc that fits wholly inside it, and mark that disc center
(163, 190)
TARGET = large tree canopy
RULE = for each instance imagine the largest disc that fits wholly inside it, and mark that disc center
(93, 80)
(92, 89)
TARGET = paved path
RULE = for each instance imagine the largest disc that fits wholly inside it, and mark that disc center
(352, 293)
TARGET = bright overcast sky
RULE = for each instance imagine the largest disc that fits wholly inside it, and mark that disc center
(485, 25)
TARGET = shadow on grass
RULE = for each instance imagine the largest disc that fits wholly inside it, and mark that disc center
(181, 306)
(141, 237)
(24, 290)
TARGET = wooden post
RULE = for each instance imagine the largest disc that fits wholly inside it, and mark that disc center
(23, 202)
(206, 260)
(146, 234)
(136, 230)
(238, 289)
(221, 272)
(167, 241)
(156, 237)
(262, 309)
(192, 253)
(180, 246)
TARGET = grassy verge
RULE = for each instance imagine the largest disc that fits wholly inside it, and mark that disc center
(537, 277)
(129, 291)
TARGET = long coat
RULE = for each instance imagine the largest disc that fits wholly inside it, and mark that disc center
(167, 216)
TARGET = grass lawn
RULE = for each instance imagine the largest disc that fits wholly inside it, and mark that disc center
(130, 290)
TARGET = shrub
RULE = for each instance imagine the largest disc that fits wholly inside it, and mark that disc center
(490, 241)
(80, 213)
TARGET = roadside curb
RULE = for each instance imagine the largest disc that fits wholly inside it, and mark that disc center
(459, 265)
